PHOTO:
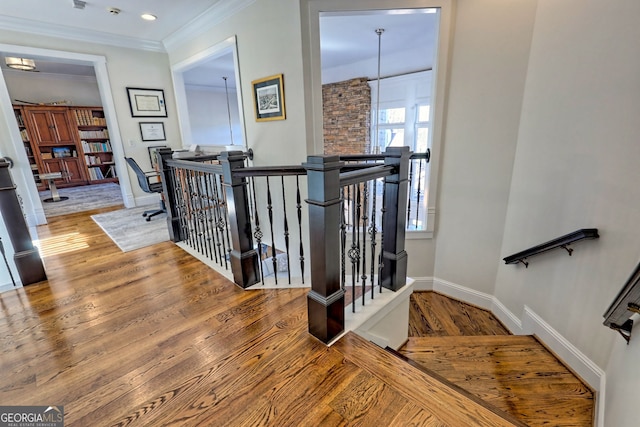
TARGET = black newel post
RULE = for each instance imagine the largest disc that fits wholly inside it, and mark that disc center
(326, 298)
(169, 194)
(26, 256)
(394, 257)
(244, 258)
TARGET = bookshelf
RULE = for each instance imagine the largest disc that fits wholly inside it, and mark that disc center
(28, 148)
(94, 142)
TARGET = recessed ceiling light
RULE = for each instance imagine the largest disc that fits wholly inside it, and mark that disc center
(148, 17)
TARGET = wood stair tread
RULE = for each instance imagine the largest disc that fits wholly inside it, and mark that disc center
(515, 373)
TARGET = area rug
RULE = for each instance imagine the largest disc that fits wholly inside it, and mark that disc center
(82, 198)
(130, 231)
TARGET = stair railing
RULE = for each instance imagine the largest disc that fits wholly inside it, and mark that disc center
(204, 198)
(559, 242)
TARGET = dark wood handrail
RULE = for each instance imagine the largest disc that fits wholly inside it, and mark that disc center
(626, 303)
(363, 175)
(192, 165)
(560, 242)
(364, 157)
(271, 171)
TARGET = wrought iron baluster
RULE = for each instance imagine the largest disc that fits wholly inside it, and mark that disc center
(299, 209)
(410, 191)
(365, 218)
(178, 192)
(224, 226)
(382, 210)
(191, 211)
(286, 227)
(372, 233)
(356, 226)
(184, 194)
(217, 215)
(343, 239)
(420, 183)
(202, 212)
(273, 242)
(210, 206)
(354, 256)
(197, 199)
(257, 233)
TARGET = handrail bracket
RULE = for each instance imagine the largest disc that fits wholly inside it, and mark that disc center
(624, 330)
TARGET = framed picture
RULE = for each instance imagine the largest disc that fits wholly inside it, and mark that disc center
(153, 156)
(268, 98)
(152, 131)
(146, 102)
(59, 152)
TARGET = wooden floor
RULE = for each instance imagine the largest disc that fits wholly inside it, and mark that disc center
(153, 337)
(470, 348)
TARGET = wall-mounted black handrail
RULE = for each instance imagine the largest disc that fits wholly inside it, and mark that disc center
(625, 305)
(560, 242)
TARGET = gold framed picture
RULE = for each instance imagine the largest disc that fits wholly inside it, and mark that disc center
(268, 98)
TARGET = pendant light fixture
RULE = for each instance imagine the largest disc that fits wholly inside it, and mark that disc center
(376, 149)
(226, 89)
(22, 64)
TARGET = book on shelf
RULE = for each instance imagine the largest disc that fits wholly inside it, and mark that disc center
(85, 117)
(102, 133)
(96, 147)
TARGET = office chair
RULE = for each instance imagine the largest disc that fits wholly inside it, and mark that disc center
(144, 180)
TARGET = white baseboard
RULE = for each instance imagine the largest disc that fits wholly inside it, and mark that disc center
(529, 324)
(584, 367)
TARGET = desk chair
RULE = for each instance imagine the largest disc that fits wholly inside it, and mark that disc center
(144, 180)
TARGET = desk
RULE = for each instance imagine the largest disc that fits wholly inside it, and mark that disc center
(50, 177)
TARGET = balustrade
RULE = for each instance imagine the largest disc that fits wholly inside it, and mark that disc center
(241, 216)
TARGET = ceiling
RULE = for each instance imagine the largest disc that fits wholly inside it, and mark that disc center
(349, 43)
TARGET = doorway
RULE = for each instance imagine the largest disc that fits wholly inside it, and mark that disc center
(209, 99)
(81, 63)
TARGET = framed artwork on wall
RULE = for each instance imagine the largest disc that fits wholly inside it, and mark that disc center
(152, 131)
(268, 98)
(153, 155)
(146, 102)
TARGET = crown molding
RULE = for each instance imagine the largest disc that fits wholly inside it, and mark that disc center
(77, 34)
(207, 19)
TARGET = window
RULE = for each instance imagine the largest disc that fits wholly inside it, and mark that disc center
(406, 122)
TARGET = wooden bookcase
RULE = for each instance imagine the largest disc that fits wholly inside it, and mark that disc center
(28, 148)
(53, 138)
(95, 144)
(71, 140)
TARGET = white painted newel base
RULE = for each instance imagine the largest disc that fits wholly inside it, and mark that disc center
(383, 320)
(528, 324)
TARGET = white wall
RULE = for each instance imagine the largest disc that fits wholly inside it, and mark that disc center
(262, 53)
(46, 88)
(488, 69)
(209, 117)
(576, 166)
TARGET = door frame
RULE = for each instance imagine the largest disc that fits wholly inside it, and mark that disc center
(25, 183)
